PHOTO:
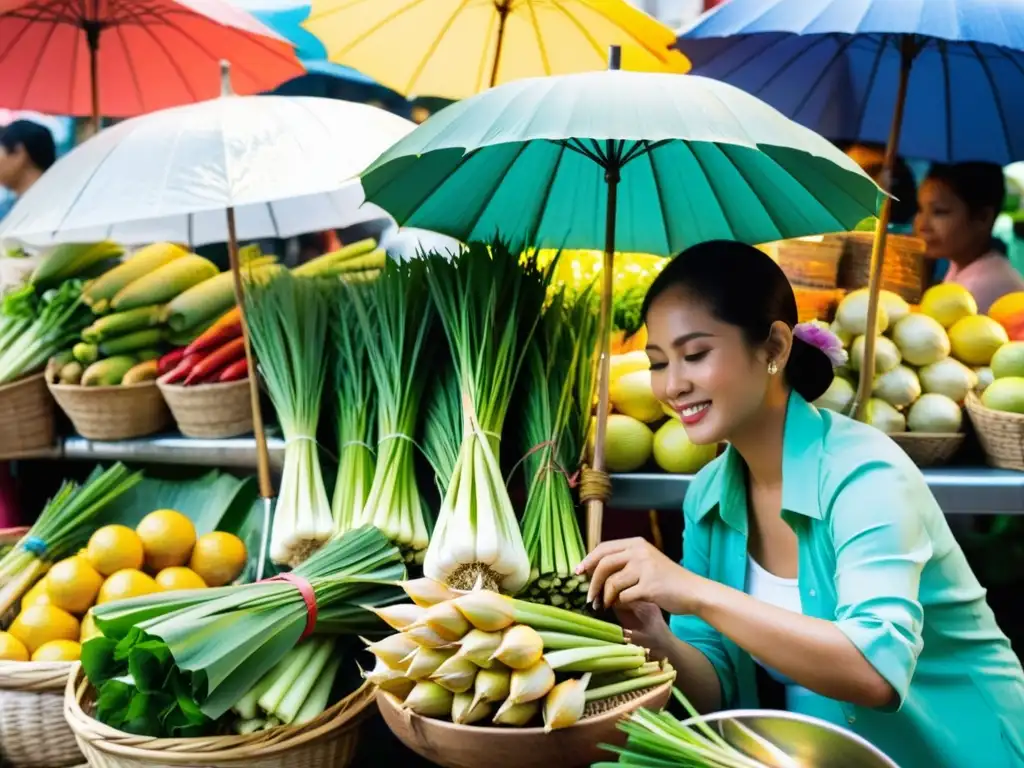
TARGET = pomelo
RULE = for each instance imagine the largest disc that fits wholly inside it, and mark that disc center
(1008, 360)
(976, 338)
(631, 394)
(887, 354)
(898, 387)
(895, 306)
(936, 414)
(674, 452)
(852, 313)
(948, 303)
(628, 443)
(948, 377)
(838, 396)
(1005, 395)
(883, 416)
(921, 339)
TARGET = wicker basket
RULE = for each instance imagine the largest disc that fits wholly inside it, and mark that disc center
(329, 741)
(902, 273)
(929, 450)
(810, 263)
(33, 731)
(816, 303)
(26, 417)
(1001, 434)
(210, 410)
(113, 413)
(472, 746)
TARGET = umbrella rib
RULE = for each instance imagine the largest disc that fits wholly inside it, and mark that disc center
(639, 41)
(661, 198)
(757, 54)
(547, 195)
(490, 198)
(567, 143)
(535, 23)
(134, 77)
(273, 219)
(844, 46)
(35, 68)
(432, 48)
(158, 43)
(949, 104)
(711, 186)
(870, 85)
(995, 92)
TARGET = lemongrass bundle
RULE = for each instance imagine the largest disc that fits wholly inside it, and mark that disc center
(288, 319)
(559, 385)
(395, 316)
(354, 414)
(193, 655)
(442, 429)
(489, 301)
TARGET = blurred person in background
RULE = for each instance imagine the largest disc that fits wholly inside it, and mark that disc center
(957, 208)
(27, 150)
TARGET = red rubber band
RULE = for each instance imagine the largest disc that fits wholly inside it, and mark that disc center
(308, 597)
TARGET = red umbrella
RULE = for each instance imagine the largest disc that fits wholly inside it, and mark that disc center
(127, 57)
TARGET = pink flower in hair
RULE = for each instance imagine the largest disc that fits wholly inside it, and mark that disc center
(820, 337)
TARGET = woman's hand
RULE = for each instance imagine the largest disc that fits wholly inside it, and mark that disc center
(634, 571)
(645, 625)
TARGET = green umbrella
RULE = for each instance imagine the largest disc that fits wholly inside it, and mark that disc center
(624, 161)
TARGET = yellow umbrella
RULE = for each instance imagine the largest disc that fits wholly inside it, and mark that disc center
(456, 48)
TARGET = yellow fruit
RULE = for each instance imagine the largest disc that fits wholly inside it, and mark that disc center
(976, 338)
(115, 547)
(218, 558)
(73, 584)
(631, 394)
(11, 648)
(674, 452)
(1008, 360)
(173, 579)
(37, 595)
(40, 624)
(89, 629)
(1005, 395)
(58, 650)
(125, 584)
(948, 303)
(167, 539)
(628, 443)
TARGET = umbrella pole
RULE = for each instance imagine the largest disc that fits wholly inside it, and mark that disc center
(597, 487)
(867, 367)
(93, 28)
(503, 9)
(266, 487)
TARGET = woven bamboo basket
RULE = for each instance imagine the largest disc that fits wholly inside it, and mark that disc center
(927, 449)
(810, 263)
(903, 272)
(471, 746)
(329, 741)
(113, 413)
(33, 731)
(26, 417)
(1001, 434)
(210, 410)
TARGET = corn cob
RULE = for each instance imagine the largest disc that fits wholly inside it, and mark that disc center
(85, 353)
(56, 363)
(329, 262)
(100, 292)
(120, 323)
(109, 372)
(210, 298)
(71, 373)
(363, 276)
(72, 259)
(131, 343)
(140, 372)
(372, 260)
(164, 283)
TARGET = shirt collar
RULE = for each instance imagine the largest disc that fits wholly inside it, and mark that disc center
(801, 466)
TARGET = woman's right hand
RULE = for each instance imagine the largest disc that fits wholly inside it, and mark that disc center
(646, 626)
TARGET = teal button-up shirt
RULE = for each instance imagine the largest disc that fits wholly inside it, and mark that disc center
(877, 558)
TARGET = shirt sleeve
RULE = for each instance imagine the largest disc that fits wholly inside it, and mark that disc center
(692, 630)
(881, 546)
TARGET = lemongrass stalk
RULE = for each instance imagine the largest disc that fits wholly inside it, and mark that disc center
(247, 707)
(316, 702)
(489, 302)
(597, 659)
(249, 725)
(629, 685)
(288, 319)
(395, 318)
(560, 641)
(491, 612)
(301, 656)
(306, 681)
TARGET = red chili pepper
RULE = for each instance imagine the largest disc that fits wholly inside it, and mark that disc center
(215, 336)
(213, 362)
(235, 372)
(181, 370)
(170, 361)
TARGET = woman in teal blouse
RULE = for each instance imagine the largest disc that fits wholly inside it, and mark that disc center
(813, 546)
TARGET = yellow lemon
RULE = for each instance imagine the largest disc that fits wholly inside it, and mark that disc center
(11, 648)
(167, 539)
(948, 303)
(37, 595)
(218, 558)
(73, 584)
(173, 579)
(115, 547)
(976, 338)
(39, 624)
(89, 628)
(58, 650)
(125, 584)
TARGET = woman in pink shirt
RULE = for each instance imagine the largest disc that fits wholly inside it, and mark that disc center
(957, 207)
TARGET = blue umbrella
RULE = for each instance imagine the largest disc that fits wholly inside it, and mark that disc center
(934, 77)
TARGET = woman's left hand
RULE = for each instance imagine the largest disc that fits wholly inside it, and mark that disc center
(634, 570)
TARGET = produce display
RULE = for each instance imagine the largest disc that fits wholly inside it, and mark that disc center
(482, 658)
(216, 355)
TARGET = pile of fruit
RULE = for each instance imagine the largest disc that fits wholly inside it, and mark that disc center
(217, 355)
(163, 553)
(641, 427)
(927, 360)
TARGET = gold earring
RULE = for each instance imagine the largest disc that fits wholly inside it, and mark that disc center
(773, 368)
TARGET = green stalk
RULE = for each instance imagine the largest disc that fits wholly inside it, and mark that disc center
(316, 702)
(301, 688)
(298, 659)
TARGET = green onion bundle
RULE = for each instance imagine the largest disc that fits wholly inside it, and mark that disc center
(288, 319)
(559, 389)
(490, 302)
(173, 663)
(63, 527)
(354, 411)
(395, 318)
(442, 427)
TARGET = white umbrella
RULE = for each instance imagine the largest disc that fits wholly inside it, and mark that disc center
(218, 155)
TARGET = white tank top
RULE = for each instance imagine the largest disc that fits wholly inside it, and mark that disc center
(782, 593)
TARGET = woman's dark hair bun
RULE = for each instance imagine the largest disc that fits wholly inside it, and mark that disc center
(744, 287)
